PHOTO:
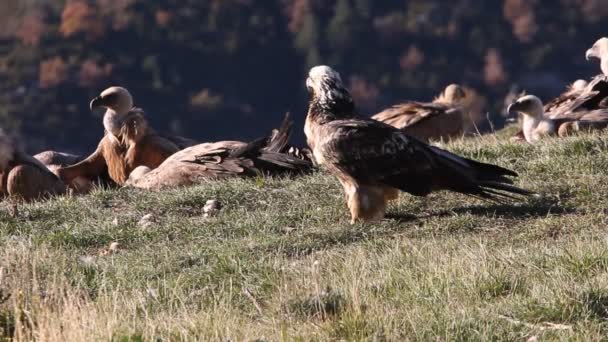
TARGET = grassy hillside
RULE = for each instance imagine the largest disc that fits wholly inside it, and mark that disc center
(281, 262)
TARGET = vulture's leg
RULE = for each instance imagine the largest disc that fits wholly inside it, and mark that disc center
(90, 168)
(366, 203)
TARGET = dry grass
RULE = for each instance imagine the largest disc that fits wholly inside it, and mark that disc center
(281, 262)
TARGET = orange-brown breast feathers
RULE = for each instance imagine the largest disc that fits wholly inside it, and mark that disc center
(134, 128)
(136, 145)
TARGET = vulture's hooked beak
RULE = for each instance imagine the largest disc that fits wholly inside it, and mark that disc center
(96, 103)
(512, 108)
(589, 54)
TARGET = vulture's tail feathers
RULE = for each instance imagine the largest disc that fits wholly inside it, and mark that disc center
(269, 162)
(278, 163)
(473, 178)
(250, 150)
(280, 137)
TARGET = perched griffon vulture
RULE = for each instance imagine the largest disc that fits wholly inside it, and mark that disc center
(128, 141)
(583, 96)
(441, 119)
(374, 161)
(23, 177)
(599, 50)
(534, 124)
(583, 106)
(537, 124)
(565, 100)
(225, 159)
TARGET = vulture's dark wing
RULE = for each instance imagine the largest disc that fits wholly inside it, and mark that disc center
(374, 153)
(573, 105)
(26, 159)
(248, 160)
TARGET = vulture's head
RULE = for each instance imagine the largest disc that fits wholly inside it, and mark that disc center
(598, 50)
(578, 85)
(117, 99)
(6, 150)
(529, 105)
(453, 93)
(325, 87)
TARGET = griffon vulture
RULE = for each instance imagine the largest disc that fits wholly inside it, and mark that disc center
(534, 124)
(584, 96)
(374, 161)
(583, 103)
(128, 141)
(537, 124)
(23, 177)
(441, 119)
(599, 50)
(225, 159)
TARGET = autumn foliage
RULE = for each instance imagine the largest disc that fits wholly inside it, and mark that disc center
(199, 66)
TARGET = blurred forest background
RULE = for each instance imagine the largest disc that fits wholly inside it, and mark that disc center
(216, 69)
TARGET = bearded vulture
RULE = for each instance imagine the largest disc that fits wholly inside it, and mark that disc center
(374, 161)
(443, 118)
(23, 177)
(128, 141)
(225, 159)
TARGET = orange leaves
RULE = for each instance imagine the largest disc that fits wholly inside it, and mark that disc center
(521, 15)
(364, 93)
(494, 72)
(80, 16)
(53, 72)
(412, 58)
(93, 18)
(92, 73)
(163, 18)
(32, 28)
(297, 10)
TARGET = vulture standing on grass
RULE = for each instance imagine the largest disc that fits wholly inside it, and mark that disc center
(225, 159)
(443, 118)
(537, 125)
(23, 177)
(374, 161)
(583, 106)
(128, 142)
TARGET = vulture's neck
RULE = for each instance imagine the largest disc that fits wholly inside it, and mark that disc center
(325, 110)
(113, 122)
(530, 123)
(604, 65)
(441, 99)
